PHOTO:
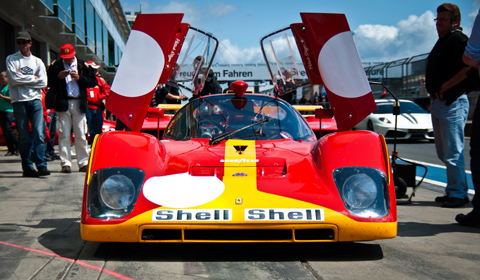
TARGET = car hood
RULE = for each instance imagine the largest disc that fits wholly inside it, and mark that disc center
(281, 167)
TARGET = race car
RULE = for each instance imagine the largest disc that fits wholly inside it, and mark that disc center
(413, 122)
(239, 167)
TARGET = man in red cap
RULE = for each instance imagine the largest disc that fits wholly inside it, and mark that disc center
(95, 97)
(68, 79)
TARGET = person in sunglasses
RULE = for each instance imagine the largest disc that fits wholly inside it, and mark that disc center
(444, 69)
(26, 77)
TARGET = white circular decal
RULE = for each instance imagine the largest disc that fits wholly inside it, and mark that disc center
(182, 190)
(141, 66)
(341, 68)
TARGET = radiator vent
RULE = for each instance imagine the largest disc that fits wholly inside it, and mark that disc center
(324, 234)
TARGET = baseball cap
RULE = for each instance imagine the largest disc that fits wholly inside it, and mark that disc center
(24, 35)
(67, 51)
(93, 64)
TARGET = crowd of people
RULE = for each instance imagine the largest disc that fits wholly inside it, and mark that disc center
(67, 96)
(74, 92)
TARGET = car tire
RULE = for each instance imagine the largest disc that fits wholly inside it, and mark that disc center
(370, 126)
(400, 187)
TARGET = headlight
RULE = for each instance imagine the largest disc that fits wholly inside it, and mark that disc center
(363, 190)
(117, 192)
(384, 120)
(359, 191)
(112, 192)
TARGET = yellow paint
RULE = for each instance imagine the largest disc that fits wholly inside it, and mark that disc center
(307, 107)
(90, 161)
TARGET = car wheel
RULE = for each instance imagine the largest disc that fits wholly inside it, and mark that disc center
(400, 187)
(370, 126)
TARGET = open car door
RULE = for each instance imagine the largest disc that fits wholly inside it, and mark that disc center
(321, 51)
(149, 59)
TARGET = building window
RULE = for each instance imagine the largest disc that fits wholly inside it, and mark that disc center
(64, 12)
(48, 4)
(90, 26)
(98, 36)
(79, 18)
(105, 45)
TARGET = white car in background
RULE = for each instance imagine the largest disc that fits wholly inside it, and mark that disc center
(413, 122)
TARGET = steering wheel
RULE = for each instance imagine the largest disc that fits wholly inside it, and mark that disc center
(205, 122)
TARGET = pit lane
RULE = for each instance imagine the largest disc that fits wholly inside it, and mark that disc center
(40, 239)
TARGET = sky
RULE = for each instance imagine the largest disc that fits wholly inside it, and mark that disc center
(384, 30)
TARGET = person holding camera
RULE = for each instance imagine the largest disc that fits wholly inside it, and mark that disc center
(68, 79)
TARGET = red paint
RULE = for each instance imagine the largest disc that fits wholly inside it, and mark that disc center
(81, 263)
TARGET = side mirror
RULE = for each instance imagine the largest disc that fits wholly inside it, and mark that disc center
(321, 113)
(156, 113)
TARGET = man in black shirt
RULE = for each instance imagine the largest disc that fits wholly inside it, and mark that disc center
(445, 68)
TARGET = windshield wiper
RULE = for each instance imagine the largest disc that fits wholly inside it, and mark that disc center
(218, 139)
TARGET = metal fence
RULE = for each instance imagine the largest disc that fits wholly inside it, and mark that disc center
(400, 76)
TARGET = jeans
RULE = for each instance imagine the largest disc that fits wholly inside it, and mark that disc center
(31, 146)
(94, 122)
(6, 119)
(475, 157)
(449, 131)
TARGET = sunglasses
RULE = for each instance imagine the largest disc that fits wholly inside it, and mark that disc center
(22, 42)
(440, 19)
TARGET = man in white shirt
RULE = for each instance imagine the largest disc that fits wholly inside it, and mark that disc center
(26, 77)
(69, 78)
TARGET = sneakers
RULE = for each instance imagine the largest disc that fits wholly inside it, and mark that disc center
(51, 157)
(441, 198)
(455, 202)
(30, 173)
(83, 168)
(452, 202)
(472, 219)
(10, 154)
(66, 169)
(43, 171)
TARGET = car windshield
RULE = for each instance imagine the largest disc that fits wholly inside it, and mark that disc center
(224, 116)
(405, 108)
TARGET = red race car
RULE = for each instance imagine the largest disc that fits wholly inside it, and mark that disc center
(239, 167)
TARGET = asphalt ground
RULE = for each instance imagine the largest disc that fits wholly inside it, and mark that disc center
(40, 239)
